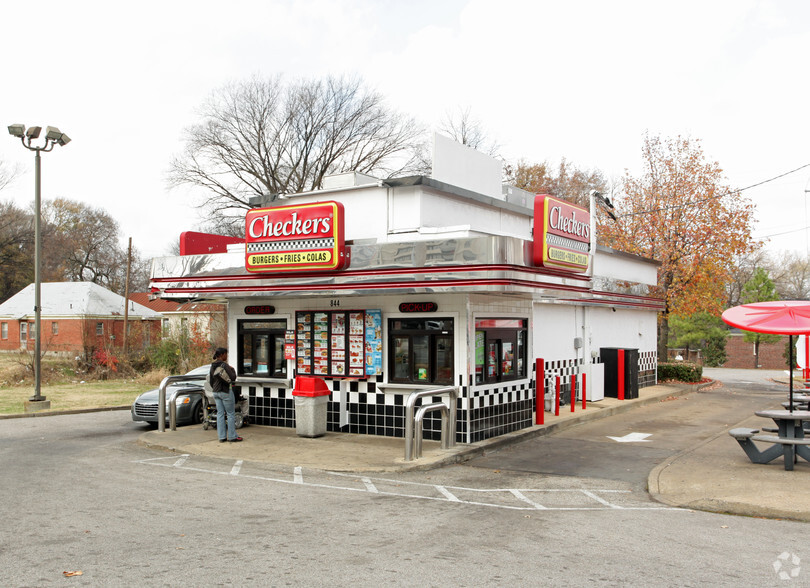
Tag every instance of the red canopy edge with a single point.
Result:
(779, 317)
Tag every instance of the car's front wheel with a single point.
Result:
(198, 414)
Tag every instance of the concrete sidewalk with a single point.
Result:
(714, 476)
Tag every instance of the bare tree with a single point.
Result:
(745, 266)
(267, 137)
(82, 245)
(7, 174)
(791, 275)
(463, 128)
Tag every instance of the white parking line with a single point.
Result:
(370, 485)
(520, 496)
(450, 496)
(490, 497)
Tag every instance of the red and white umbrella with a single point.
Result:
(778, 317)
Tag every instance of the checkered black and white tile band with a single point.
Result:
(283, 246)
(483, 411)
(486, 413)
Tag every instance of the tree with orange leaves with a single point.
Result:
(680, 212)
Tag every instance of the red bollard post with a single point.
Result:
(557, 398)
(583, 392)
(539, 391)
(573, 391)
(620, 383)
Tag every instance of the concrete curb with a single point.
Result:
(44, 413)
(715, 505)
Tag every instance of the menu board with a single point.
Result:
(320, 344)
(303, 346)
(331, 343)
(373, 342)
(356, 335)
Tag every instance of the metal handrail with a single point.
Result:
(173, 406)
(419, 419)
(452, 393)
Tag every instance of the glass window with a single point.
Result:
(421, 358)
(55, 328)
(4, 330)
(402, 358)
(99, 328)
(421, 350)
(500, 349)
(23, 332)
(261, 348)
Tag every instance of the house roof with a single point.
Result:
(72, 299)
(200, 307)
(158, 304)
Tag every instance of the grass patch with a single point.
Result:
(73, 396)
(66, 389)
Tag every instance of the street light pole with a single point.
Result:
(53, 136)
(37, 397)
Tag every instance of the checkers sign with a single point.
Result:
(308, 237)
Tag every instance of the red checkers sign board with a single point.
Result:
(308, 237)
(562, 234)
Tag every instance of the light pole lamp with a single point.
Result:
(53, 136)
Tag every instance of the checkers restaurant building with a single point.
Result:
(386, 287)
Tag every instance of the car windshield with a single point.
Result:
(200, 371)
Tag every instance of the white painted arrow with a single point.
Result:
(631, 438)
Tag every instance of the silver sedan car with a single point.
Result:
(187, 396)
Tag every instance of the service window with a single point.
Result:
(421, 350)
(500, 350)
(261, 348)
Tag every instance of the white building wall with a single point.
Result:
(555, 326)
(450, 305)
(624, 267)
(623, 328)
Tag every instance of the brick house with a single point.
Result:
(740, 354)
(75, 316)
(207, 319)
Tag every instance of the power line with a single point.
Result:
(729, 193)
(783, 233)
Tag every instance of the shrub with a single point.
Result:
(714, 355)
(165, 355)
(681, 371)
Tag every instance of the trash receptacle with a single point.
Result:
(311, 395)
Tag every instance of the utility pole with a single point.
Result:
(126, 299)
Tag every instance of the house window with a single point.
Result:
(23, 332)
(165, 326)
(54, 328)
(99, 328)
(4, 330)
(421, 350)
(500, 350)
(261, 348)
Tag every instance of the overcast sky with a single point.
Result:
(547, 79)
